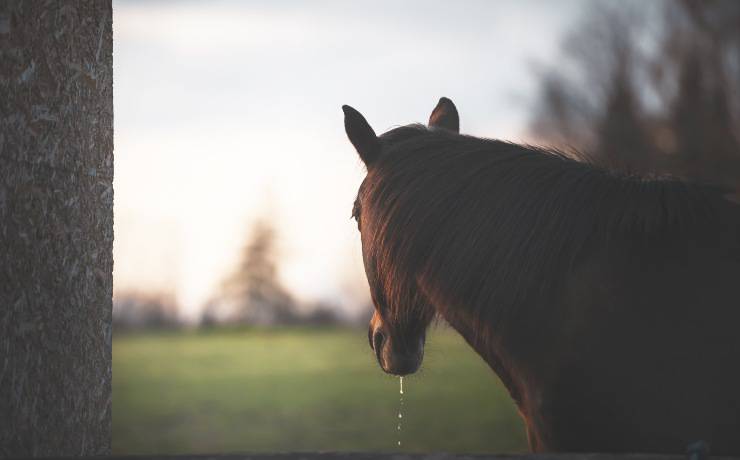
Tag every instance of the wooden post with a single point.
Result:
(56, 227)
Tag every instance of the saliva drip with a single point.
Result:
(400, 411)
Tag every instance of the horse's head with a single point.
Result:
(402, 313)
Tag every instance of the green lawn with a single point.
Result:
(301, 390)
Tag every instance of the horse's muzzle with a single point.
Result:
(402, 364)
(396, 360)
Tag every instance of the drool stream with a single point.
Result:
(400, 411)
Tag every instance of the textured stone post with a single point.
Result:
(56, 227)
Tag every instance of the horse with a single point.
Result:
(607, 303)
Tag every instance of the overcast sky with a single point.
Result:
(229, 110)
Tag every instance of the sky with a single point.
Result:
(230, 111)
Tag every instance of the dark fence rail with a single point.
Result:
(399, 456)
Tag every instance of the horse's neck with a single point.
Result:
(525, 387)
(488, 347)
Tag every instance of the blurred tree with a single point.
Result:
(323, 314)
(253, 294)
(650, 90)
(137, 310)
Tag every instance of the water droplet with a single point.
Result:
(400, 413)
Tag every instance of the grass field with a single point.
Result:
(301, 390)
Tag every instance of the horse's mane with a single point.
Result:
(500, 224)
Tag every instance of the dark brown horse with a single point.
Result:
(609, 305)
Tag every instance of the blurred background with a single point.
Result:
(240, 302)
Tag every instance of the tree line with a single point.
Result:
(650, 88)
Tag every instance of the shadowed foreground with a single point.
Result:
(435, 456)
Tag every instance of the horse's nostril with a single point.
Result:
(378, 339)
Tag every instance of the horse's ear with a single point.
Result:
(445, 116)
(361, 135)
